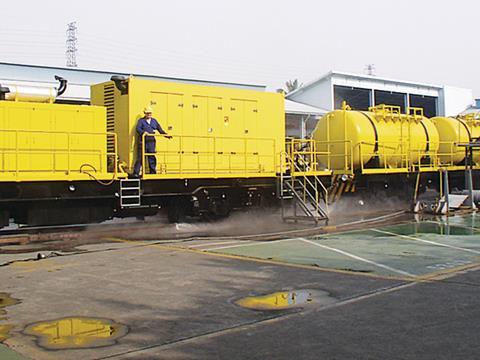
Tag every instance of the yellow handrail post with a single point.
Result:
(16, 153)
(143, 154)
(180, 152)
(245, 155)
(115, 150)
(68, 153)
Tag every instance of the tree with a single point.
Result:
(290, 85)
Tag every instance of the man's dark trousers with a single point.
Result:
(152, 160)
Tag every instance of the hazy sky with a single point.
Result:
(264, 42)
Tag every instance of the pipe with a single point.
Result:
(121, 83)
(3, 90)
(63, 85)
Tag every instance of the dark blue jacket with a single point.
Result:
(144, 127)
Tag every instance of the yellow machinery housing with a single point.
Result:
(381, 140)
(217, 131)
(44, 141)
(455, 130)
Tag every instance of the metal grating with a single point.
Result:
(109, 103)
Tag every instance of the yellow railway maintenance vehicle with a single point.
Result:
(63, 164)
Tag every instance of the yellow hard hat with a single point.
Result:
(147, 109)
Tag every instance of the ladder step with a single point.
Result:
(130, 193)
(131, 190)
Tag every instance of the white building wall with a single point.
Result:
(319, 94)
(454, 100)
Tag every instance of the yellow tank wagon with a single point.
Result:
(453, 131)
(379, 141)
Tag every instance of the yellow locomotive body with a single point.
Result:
(46, 142)
(217, 132)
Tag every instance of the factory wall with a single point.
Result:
(454, 100)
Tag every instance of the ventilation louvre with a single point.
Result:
(109, 103)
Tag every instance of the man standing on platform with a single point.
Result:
(147, 125)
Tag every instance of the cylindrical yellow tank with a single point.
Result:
(454, 130)
(379, 138)
(30, 93)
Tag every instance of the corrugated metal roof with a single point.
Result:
(26, 72)
(293, 107)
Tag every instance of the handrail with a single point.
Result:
(235, 149)
(67, 149)
(310, 152)
(315, 198)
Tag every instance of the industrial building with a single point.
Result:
(303, 107)
(80, 80)
(301, 119)
(362, 91)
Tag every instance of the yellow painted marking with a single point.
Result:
(218, 243)
(445, 273)
(427, 241)
(35, 265)
(251, 244)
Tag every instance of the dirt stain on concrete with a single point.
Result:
(76, 333)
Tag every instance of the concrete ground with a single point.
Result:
(400, 292)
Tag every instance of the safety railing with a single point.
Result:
(388, 156)
(38, 151)
(423, 160)
(190, 155)
(305, 189)
(449, 153)
(308, 158)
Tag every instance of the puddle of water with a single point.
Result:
(76, 333)
(5, 332)
(7, 300)
(433, 228)
(284, 300)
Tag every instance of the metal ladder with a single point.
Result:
(303, 196)
(130, 193)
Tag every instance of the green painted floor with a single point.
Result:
(7, 354)
(418, 248)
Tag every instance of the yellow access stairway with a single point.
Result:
(303, 196)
